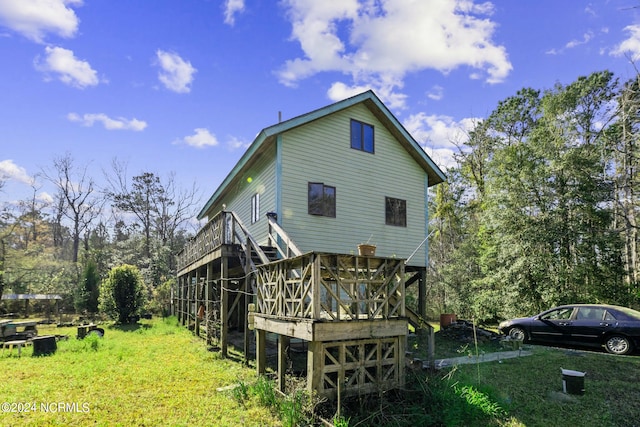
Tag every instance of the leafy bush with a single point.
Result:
(122, 293)
(161, 298)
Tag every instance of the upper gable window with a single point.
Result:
(395, 212)
(255, 208)
(322, 199)
(362, 136)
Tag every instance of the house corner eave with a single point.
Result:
(255, 146)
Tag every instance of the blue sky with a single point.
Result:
(184, 86)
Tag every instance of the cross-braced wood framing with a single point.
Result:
(210, 237)
(351, 311)
(332, 286)
(360, 366)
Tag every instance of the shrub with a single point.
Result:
(87, 293)
(122, 293)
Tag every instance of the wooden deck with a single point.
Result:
(348, 310)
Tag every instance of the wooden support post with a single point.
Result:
(244, 306)
(315, 286)
(208, 299)
(261, 351)
(427, 333)
(196, 304)
(179, 298)
(185, 298)
(314, 366)
(283, 346)
(431, 346)
(224, 306)
(400, 360)
(422, 293)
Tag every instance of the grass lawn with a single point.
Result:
(521, 392)
(151, 374)
(157, 373)
(529, 389)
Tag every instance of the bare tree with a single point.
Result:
(77, 200)
(159, 206)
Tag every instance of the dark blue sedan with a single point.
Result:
(617, 329)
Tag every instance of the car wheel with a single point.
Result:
(617, 344)
(517, 334)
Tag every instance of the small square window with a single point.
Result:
(255, 208)
(321, 199)
(362, 136)
(395, 212)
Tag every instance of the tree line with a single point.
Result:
(68, 243)
(542, 208)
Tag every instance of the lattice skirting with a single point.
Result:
(358, 367)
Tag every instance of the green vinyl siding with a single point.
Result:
(320, 151)
(259, 177)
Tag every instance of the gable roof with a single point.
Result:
(268, 136)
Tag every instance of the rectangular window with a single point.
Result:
(362, 136)
(395, 212)
(322, 199)
(255, 208)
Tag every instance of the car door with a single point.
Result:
(552, 326)
(589, 325)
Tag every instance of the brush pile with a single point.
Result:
(462, 331)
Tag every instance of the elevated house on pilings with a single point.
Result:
(280, 257)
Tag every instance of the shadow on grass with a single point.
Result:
(130, 327)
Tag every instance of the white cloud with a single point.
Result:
(436, 93)
(380, 42)
(200, 139)
(586, 37)
(386, 90)
(339, 91)
(35, 18)
(231, 8)
(175, 73)
(69, 69)
(440, 136)
(45, 197)
(631, 46)
(109, 123)
(10, 171)
(234, 143)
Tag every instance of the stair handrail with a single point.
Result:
(277, 235)
(246, 239)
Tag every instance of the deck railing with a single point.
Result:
(223, 229)
(331, 287)
(280, 240)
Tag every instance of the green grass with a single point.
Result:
(529, 389)
(151, 374)
(157, 373)
(519, 392)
